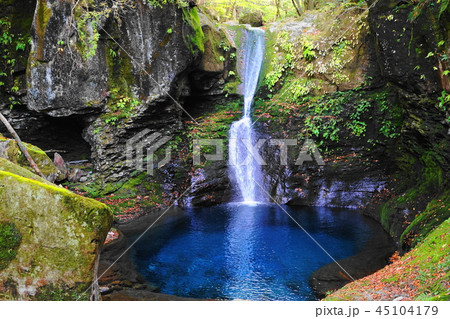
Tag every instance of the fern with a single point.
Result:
(444, 6)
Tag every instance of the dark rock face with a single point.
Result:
(136, 58)
(374, 256)
(210, 186)
(403, 45)
(64, 79)
(348, 175)
(122, 72)
(411, 45)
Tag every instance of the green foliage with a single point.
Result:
(308, 51)
(120, 107)
(216, 124)
(160, 3)
(89, 18)
(444, 104)
(391, 116)
(10, 240)
(271, 9)
(356, 126)
(436, 212)
(12, 48)
(87, 25)
(51, 292)
(420, 5)
(324, 120)
(197, 40)
(280, 66)
(324, 57)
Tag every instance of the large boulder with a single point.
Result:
(11, 151)
(255, 19)
(50, 238)
(136, 51)
(212, 73)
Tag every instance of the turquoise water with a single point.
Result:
(237, 251)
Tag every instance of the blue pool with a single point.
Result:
(237, 251)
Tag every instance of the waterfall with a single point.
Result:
(245, 170)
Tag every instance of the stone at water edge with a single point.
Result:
(60, 238)
(59, 162)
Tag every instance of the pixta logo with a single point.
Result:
(141, 148)
(141, 151)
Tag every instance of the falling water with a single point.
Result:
(244, 165)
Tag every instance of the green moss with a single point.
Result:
(427, 176)
(386, 211)
(10, 239)
(232, 86)
(432, 256)
(61, 232)
(197, 40)
(212, 42)
(92, 214)
(92, 204)
(121, 102)
(437, 211)
(423, 272)
(43, 14)
(432, 177)
(41, 159)
(10, 167)
(53, 292)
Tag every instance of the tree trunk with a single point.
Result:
(22, 148)
(278, 4)
(297, 7)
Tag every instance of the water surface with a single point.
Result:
(238, 251)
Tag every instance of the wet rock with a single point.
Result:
(210, 186)
(83, 179)
(163, 46)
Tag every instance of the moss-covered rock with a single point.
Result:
(8, 166)
(60, 236)
(9, 242)
(11, 151)
(422, 274)
(326, 51)
(255, 19)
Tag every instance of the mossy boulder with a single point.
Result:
(50, 238)
(217, 61)
(8, 166)
(10, 150)
(255, 19)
